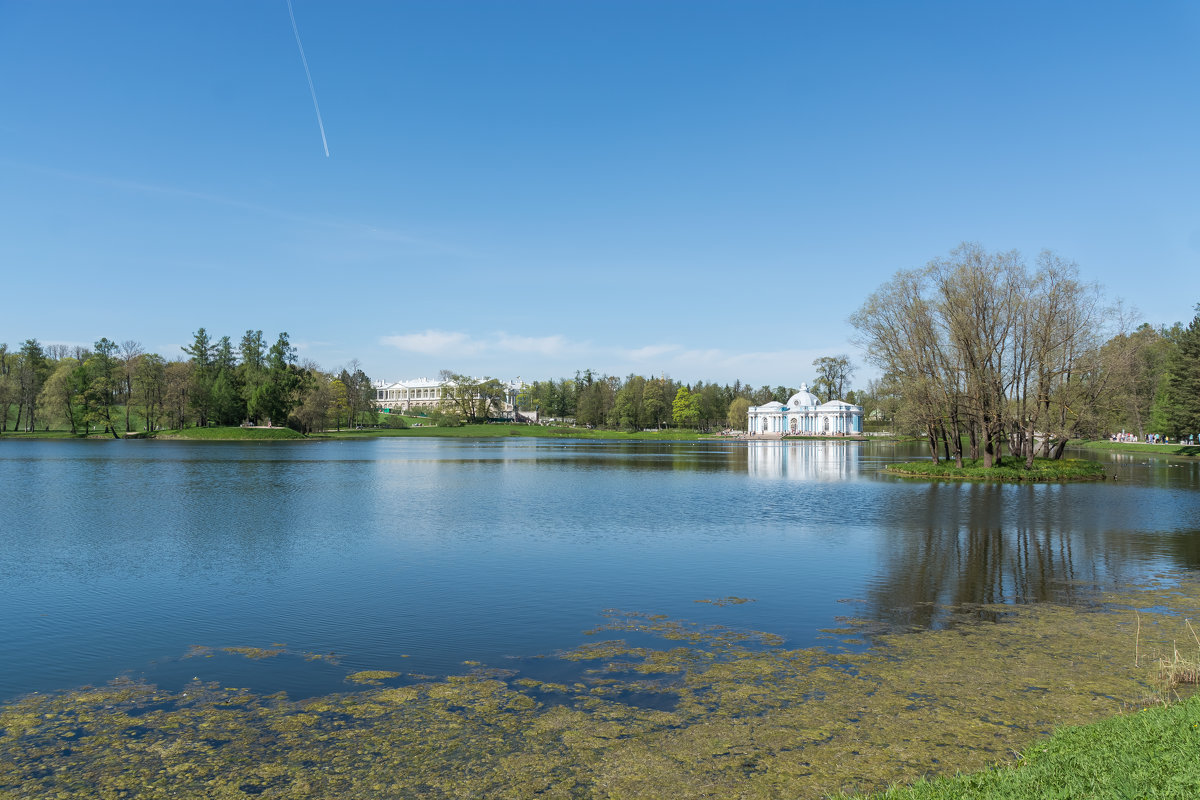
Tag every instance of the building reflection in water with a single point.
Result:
(820, 460)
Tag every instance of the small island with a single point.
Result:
(1044, 470)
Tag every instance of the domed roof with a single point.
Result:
(803, 398)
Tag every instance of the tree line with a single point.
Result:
(116, 388)
(980, 348)
(637, 402)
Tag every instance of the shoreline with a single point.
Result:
(478, 431)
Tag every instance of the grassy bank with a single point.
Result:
(55, 434)
(231, 434)
(1174, 449)
(1151, 753)
(1010, 470)
(501, 430)
(417, 426)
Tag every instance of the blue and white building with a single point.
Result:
(804, 414)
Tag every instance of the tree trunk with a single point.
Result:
(956, 431)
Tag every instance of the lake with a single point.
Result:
(124, 557)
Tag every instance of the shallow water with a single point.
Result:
(418, 554)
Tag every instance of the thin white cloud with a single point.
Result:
(434, 343)
(358, 229)
(542, 345)
(652, 351)
(457, 343)
(544, 356)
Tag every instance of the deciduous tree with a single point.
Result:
(685, 409)
(739, 413)
(833, 373)
(1182, 390)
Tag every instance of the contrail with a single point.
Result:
(308, 74)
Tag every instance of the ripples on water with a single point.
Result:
(417, 554)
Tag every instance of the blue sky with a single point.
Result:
(702, 189)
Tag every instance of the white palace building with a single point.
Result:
(425, 393)
(804, 414)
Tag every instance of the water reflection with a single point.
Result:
(115, 554)
(804, 461)
(958, 545)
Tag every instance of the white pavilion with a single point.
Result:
(804, 414)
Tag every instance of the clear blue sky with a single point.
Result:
(702, 189)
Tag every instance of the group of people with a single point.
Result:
(1153, 438)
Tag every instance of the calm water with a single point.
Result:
(418, 554)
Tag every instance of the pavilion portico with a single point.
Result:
(805, 414)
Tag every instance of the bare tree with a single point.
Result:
(131, 352)
(833, 373)
(979, 346)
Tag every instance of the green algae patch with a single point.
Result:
(259, 653)
(1010, 470)
(371, 676)
(738, 714)
(255, 652)
(726, 601)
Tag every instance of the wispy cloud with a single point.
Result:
(456, 343)
(542, 345)
(435, 343)
(651, 352)
(358, 229)
(552, 354)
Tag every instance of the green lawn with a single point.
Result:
(231, 434)
(1151, 753)
(1173, 449)
(54, 434)
(1011, 469)
(493, 430)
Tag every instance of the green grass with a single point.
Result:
(1011, 469)
(51, 434)
(1173, 449)
(1151, 753)
(231, 434)
(491, 430)
(495, 430)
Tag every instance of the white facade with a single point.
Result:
(408, 395)
(803, 461)
(427, 393)
(805, 415)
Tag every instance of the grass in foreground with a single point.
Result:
(1152, 753)
(1010, 470)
